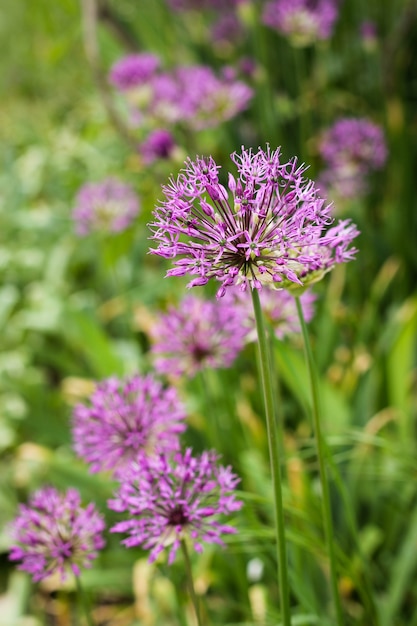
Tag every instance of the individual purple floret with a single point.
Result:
(159, 144)
(352, 148)
(133, 70)
(109, 206)
(53, 533)
(198, 334)
(170, 500)
(269, 227)
(279, 308)
(124, 418)
(304, 21)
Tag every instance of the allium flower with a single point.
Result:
(159, 144)
(351, 148)
(169, 500)
(124, 418)
(133, 70)
(53, 533)
(196, 335)
(269, 227)
(108, 206)
(279, 308)
(304, 21)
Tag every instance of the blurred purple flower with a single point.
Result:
(270, 227)
(133, 70)
(197, 334)
(169, 500)
(124, 418)
(54, 533)
(109, 206)
(304, 21)
(352, 148)
(159, 144)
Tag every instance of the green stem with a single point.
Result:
(189, 573)
(265, 373)
(322, 454)
(83, 601)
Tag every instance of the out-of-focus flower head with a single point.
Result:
(303, 21)
(173, 499)
(352, 148)
(197, 334)
(133, 70)
(123, 419)
(108, 206)
(159, 144)
(269, 227)
(54, 534)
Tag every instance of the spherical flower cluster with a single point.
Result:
(269, 227)
(125, 418)
(109, 206)
(304, 21)
(53, 533)
(197, 334)
(133, 70)
(352, 148)
(279, 309)
(169, 500)
(159, 144)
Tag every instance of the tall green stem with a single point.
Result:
(83, 601)
(189, 573)
(265, 373)
(321, 453)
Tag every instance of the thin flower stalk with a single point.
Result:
(189, 573)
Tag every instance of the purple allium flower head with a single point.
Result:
(53, 533)
(125, 418)
(133, 70)
(169, 500)
(279, 308)
(159, 144)
(198, 334)
(351, 148)
(270, 226)
(304, 21)
(108, 206)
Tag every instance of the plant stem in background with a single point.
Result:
(321, 453)
(82, 599)
(265, 374)
(190, 581)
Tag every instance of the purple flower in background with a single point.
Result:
(109, 206)
(133, 70)
(269, 227)
(169, 500)
(125, 418)
(352, 148)
(279, 308)
(159, 144)
(53, 533)
(197, 334)
(304, 21)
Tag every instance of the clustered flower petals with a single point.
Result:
(270, 226)
(133, 70)
(197, 334)
(304, 21)
(124, 418)
(109, 206)
(352, 148)
(171, 499)
(53, 533)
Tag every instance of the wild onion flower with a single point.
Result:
(109, 206)
(303, 21)
(269, 227)
(133, 70)
(278, 307)
(197, 334)
(53, 533)
(171, 499)
(352, 148)
(159, 144)
(124, 418)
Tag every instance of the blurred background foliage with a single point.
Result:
(76, 310)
